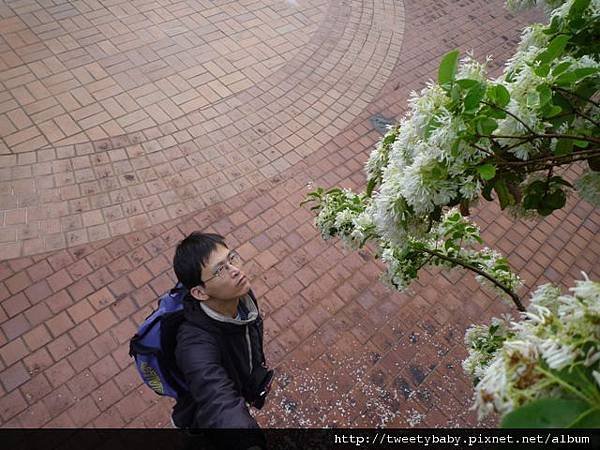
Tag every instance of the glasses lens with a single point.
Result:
(235, 258)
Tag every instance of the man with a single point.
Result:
(220, 342)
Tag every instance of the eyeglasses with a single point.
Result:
(233, 259)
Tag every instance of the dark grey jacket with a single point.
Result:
(216, 355)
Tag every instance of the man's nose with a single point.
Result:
(233, 270)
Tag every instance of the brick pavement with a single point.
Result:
(89, 227)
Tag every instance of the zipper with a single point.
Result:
(249, 347)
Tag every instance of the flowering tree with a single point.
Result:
(468, 137)
(543, 371)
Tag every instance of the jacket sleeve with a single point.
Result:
(219, 403)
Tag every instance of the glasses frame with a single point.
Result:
(232, 254)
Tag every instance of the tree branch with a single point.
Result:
(511, 115)
(566, 91)
(515, 298)
(540, 136)
(576, 156)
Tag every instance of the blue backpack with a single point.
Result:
(153, 346)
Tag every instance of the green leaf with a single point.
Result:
(487, 171)
(432, 125)
(542, 70)
(533, 99)
(485, 126)
(370, 186)
(486, 192)
(545, 94)
(552, 111)
(573, 76)
(448, 245)
(467, 83)
(555, 200)
(502, 95)
(474, 96)
(504, 195)
(560, 180)
(564, 147)
(554, 49)
(588, 419)
(448, 66)
(531, 201)
(560, 68)
(545, 413)
(578, 7)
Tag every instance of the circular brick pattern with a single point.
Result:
(203, 104)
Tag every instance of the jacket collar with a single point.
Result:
(246, 303)
(205, 317)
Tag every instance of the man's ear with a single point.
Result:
(199, 293)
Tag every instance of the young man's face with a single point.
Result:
(222, 280)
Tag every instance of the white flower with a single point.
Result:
(491, 393)
(596, 376)
(472, 69)
(556, 354)
(593, 356)
(588, 186)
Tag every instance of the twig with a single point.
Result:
(510, 114)
(515, 298)
(577, 156)
(574, 94)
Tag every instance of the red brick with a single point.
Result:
(36, 388)
(83, 333)
(38, 361)
(103, 344)
(128, 379)
(11, 404)
(140, 276)
(18, 282)
(15, 304)
(105, 369)
(61, 421)
(61, 347)
(38, 337)
(124, 331)
(14, 376)
(103, 320)
(101, 299)
(82, 384)
(109, 419)
(82, 358)
(83, 411)
(59, 280)
(80, 269)
(38, 314)
(131, 406)
(15, 327)
(59, 324)
(59, 301)
(80, 289)
(39, 291)
(13, 351)
(35, 416)
(58, 400)
(39, 270)
(80, 311)
(107, 395)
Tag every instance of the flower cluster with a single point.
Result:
(450, 148)
(554, 351)
(342, 214)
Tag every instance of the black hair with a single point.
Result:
(192, 254)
